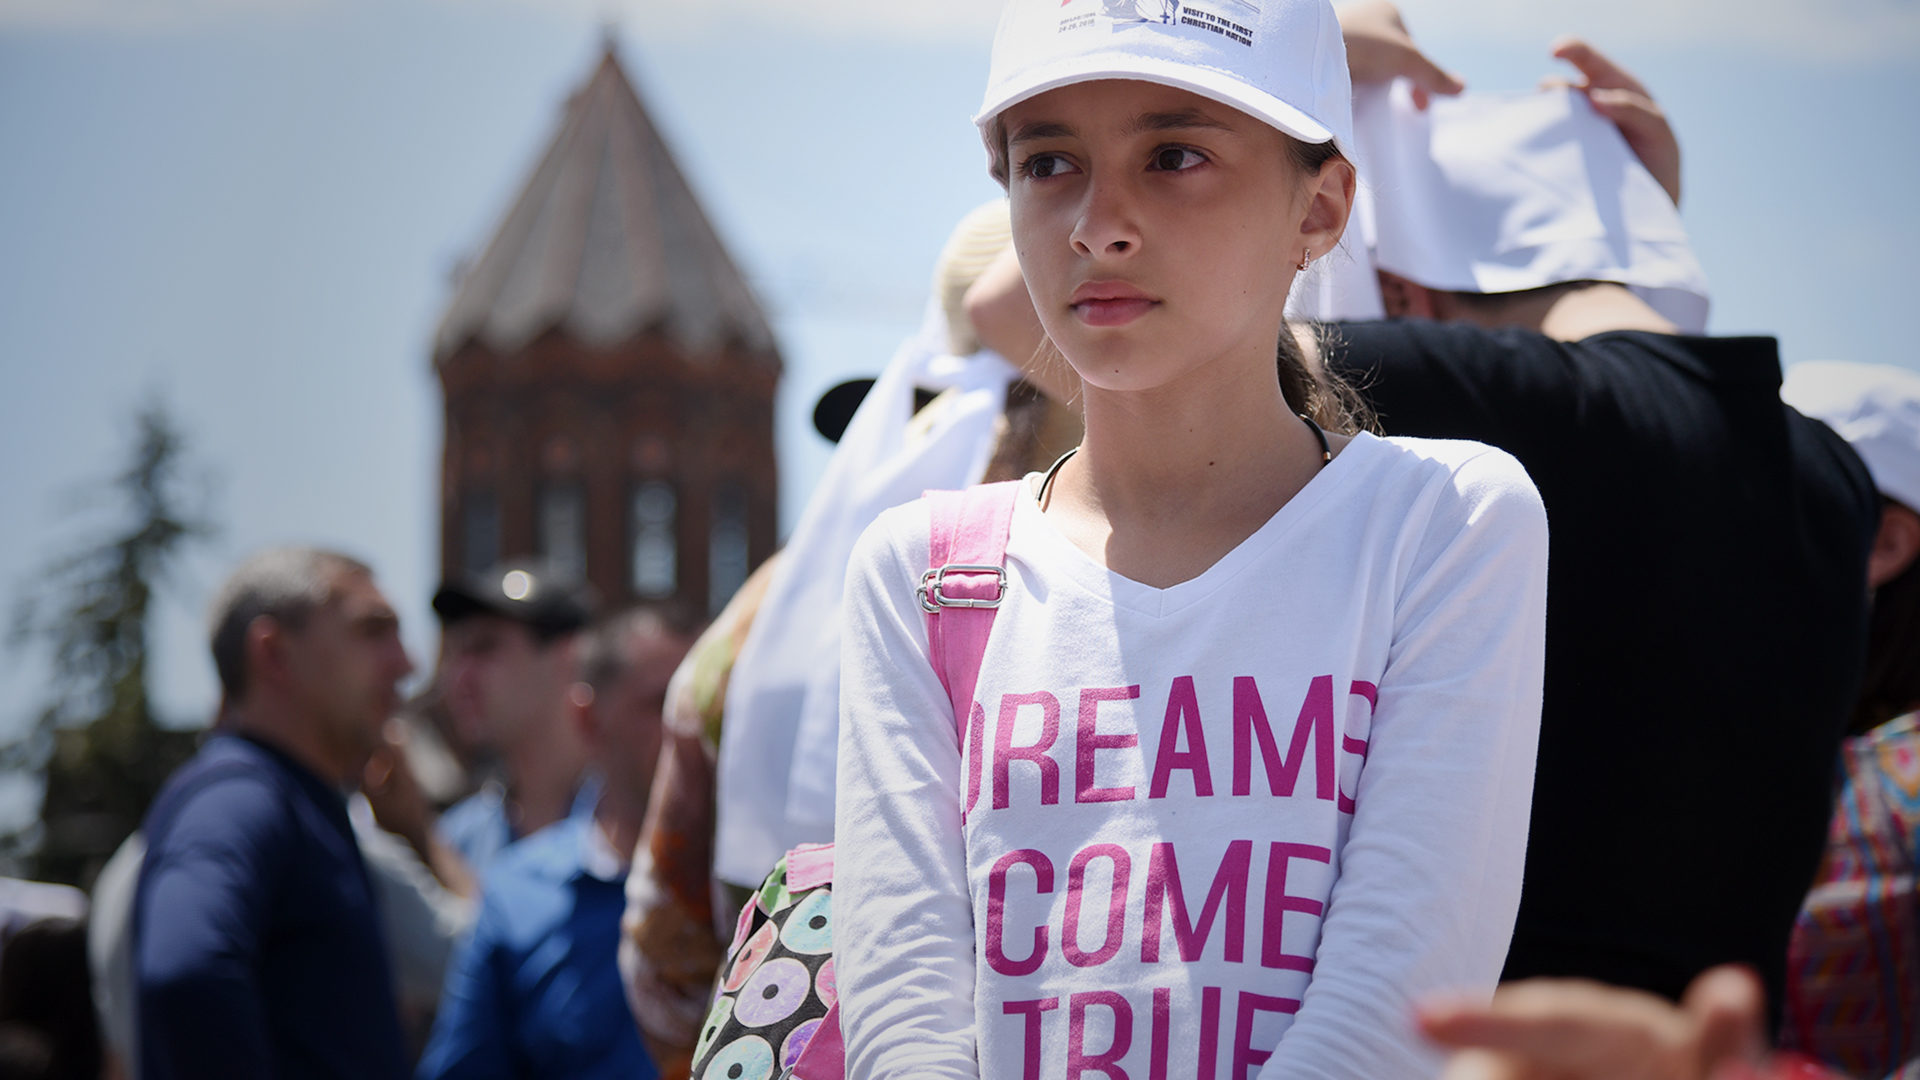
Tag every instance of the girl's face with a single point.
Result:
(1159, 230)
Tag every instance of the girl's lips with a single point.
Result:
(1109, 303)
(1115, 312)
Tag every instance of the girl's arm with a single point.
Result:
(1429, 879)
(903, 921)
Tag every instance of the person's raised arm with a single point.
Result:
(1000, 311)
(401, 807)
(1623, 99)
(1379, 49)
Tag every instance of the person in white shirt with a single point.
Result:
(1251, 751)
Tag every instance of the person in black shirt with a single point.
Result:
(1706, 628)
(1707, 605)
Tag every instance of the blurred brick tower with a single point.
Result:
(608, 376)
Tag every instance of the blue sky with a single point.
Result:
(251, 208)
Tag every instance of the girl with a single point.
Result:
(1257, 716)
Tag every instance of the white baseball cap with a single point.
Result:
(1281, 61)
(1876, 408)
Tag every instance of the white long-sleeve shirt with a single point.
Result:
(1241, 823)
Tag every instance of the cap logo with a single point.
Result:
(517, 584)
(1121, 14)
(1160, 11)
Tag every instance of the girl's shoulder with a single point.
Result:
(1450, 489)
(897, 535)
(896, 540)
(1467, 470)
(900, 533)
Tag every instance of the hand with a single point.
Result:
(1379, 49)
(1570, 1029)
(399, 804)
(1620, 97)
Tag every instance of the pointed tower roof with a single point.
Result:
(605, 241)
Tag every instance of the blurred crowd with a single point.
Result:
(591, 846)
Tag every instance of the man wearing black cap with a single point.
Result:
(507, 661)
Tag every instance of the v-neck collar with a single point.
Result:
(1032, 527)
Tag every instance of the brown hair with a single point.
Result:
(1034, 429)
(1892, 683)
(1322, 395)
(997, 165)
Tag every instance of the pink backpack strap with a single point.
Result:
(966, 576)
(809, 866)
(965, 579)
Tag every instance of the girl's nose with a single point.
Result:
(1108, 225)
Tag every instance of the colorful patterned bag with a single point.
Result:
(1853, 978)
(776, 988)
(776, 1010)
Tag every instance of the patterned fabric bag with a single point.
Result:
(776, 1009)
(776, 988)
(1853, 978)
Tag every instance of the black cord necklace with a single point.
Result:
(1046, 482)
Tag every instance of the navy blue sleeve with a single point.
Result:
(205, 892)
(472, 1034)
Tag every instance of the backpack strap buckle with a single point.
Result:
(933, 597)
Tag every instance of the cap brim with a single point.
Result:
(1218, 86)
(453, 603)
(835, 409)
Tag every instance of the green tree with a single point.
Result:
(103, 752)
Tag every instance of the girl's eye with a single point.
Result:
(1176, 159)
(1042, 166)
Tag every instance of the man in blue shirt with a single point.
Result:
(509, 647)
(536, 991)
(257, 947)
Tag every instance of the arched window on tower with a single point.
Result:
(479, 532)
(727, 565)
(656, 554)
(563, 529)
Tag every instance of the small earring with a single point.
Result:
(1306, 257)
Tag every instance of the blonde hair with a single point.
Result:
(976, 241)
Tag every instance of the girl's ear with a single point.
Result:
(1329, 203)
